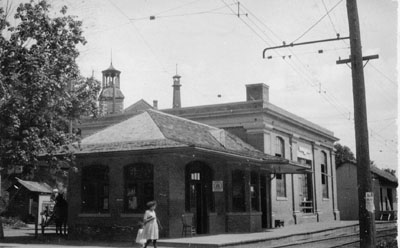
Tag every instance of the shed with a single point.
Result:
(24, 198)
(384, 189)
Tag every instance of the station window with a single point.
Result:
(139, 187)
(95, 189)
(324, 175)
(238, 196)
(254, 191)
(281, 185)
(279, 147)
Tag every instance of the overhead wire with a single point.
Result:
(329, 16)
(211, 11)
(157, 16)
(154, 54)
(384, 75)
(141, 36)
(175, 8)
(316, 23)
(329, 98)
(310, 81)
(292, 66)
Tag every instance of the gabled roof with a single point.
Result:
(35, 186)
(138, 106)
(383, 174)
(157, 130)
(378, 172)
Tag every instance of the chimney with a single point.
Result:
(256, 92)
(176, 101)
(155, 104)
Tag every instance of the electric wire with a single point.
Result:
(175, 8)
(384, 75)
(331, 101)
(316, 23)
(141, 36)
(331, 98)
(291, 66)
(265, 41)
(330, 19)
(211, 11)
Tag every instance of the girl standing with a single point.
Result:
(150, 229)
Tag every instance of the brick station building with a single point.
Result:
(186, 166)
(284, 175)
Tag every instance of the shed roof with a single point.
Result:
(378, 172)
(35, 186)
(383, 174)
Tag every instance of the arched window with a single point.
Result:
(138, 187)
(95, 189)
(279, 147)
(324, 175)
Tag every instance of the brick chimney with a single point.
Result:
(155, 104)
(256, 92)
(176, 101)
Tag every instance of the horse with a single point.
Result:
(60, 214)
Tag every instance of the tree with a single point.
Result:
(343, 154)
(391, 171)
(41, 89)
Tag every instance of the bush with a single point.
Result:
(387, 244)
(12, 222)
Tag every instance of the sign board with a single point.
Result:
(44, 201)
(369, 201)
(218, 186)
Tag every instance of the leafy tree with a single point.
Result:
(391, 171)
(41, 89)
(343, 154)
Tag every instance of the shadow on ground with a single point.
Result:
(54, 239)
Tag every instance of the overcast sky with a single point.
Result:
(218, 53)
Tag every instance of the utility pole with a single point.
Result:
(365, 192)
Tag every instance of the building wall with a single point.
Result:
(169, 192)
(258, 123)
(260, 130)
(106, 106)
(348, 193)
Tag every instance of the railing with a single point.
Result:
(306, 207)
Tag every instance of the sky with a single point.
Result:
(218, 53)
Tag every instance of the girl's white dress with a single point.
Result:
(139, 237)
(150, 229)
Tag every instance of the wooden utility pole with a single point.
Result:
(365, 192)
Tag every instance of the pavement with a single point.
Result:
(25, 237)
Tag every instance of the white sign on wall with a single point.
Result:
(218, 186)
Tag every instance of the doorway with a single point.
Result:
(199, 200)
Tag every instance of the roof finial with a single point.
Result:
(176, 69)
(111, 56)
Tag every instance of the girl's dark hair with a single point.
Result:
(151, 203)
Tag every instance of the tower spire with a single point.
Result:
(111, 56)
(176, 101)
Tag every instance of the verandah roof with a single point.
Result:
(156, 130)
